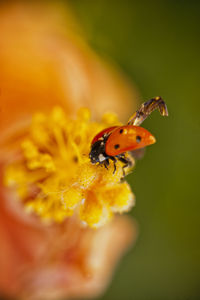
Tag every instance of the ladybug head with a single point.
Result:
(97, 153)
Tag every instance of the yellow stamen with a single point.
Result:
(54, 177)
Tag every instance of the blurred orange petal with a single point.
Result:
(42, 64)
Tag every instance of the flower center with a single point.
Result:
(54, 177)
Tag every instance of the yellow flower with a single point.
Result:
(54, 177)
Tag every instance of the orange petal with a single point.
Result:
(42, 65)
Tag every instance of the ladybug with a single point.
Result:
(112, 143)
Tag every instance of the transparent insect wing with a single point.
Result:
(146, 109)
(101, 133)
(127, 138)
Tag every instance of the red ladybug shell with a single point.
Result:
(127, 138)
(101, 133)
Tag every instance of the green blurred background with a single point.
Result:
(157, 44)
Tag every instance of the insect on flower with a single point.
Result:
(112, 143)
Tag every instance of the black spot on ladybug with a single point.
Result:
(138, 138)
(116, 146)
(121, 131)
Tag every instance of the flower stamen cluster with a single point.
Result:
(54, 177)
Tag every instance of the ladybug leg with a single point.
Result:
(106, 163)
(126, 161)
(146, 109)
(115, 168)
(114, 163)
